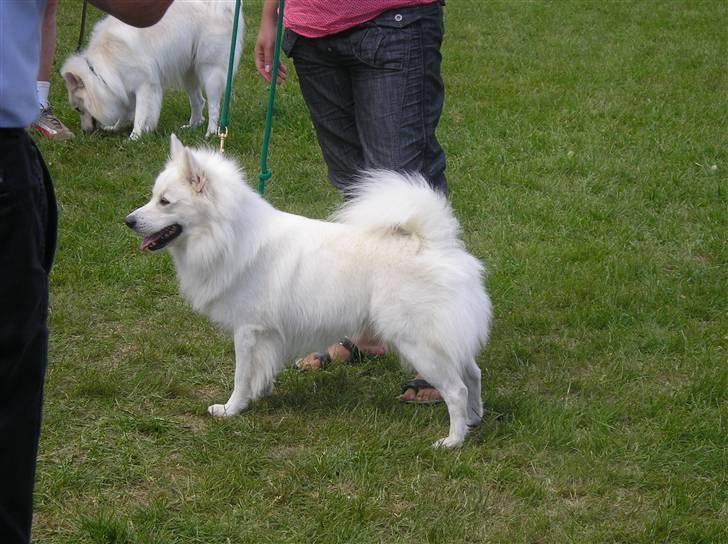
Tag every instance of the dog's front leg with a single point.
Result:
(257, 355)
(147, 109)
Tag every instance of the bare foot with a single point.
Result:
(366, 345)
(312, 361)
(425, 395)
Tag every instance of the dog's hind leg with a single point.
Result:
(197, 101)
(455, 395)
(147, 109)
(213, 80)
(472, 377)
(257, 358)
(442, 372)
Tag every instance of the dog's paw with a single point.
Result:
(448, 443)
(218, 410)
(193, 124)
(134, 136)
(224, 410)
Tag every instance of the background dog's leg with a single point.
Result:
(257, 358)
(213, 79)
(148, 107)
(197, 101)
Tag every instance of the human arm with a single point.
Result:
(139, 13)
(265, 43)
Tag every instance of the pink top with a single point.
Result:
(316, 18)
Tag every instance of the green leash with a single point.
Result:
(264, 173)
(83, 26)
(222, 127)
(222, 130)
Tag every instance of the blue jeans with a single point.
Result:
(375, 94)
(27, 245)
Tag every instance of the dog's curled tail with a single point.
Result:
(387, 201)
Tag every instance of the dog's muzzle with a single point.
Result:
(159, 239)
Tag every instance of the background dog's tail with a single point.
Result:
(388, 201)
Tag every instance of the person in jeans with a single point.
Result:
(28, 221)
(369, 73)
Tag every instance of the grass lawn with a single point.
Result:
(588, 159)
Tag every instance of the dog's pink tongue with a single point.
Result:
(148, 241)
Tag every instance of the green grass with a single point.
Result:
(588, 154)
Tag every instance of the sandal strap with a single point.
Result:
(355, 355)
(324, 357)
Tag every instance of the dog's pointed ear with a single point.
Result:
(175, 147)
(193, 171)
(73, 81)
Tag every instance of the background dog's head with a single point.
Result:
(91, 95)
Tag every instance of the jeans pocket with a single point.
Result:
(288, 42)
(384, 42)
(382, 47)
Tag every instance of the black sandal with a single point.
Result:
(355, 354)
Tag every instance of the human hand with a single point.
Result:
(265, 48)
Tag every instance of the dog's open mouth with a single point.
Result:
(160, 239)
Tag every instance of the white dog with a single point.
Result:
(119, 79)
(390, 263)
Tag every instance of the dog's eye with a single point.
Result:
(163, 201)
(78, 110)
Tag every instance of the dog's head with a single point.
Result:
(91, 95)
(181, 202)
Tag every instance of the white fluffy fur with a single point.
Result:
(390, 263)
(121, 76)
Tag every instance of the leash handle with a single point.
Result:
(222, 130)
(264, 173)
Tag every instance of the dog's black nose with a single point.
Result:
(130, 221)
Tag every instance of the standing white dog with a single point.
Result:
(120, 78)
(390, 263)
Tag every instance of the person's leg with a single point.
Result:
(47, 123)
(27, 246)
(47, 41)
(326, 88)
(398, 91)
(389, 76)
(375, 94)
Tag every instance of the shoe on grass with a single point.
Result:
(51, 127)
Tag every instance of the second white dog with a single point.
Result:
(120, 78)
(390, 263)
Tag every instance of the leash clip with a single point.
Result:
(222, 135)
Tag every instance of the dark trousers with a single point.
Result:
(375, 94)
(28, 219)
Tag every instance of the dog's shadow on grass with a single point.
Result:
(338, 387)
(368, 387)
